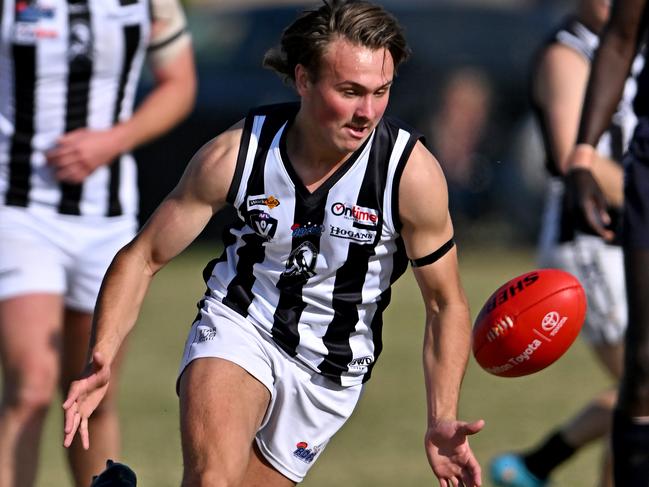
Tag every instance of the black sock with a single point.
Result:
(548, 456)
(630, 452)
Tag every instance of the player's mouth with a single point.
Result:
(357, 131)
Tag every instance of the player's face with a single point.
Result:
(349, 96)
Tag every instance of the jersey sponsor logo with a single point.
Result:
(357, 214)
(263, 224)
(28, 26)
(305, 230)
(360, 364)
(302, 261)
(262, 200)
(358, 236)
(26, 11)
(306, 454)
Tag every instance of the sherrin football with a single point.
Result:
(529, 322)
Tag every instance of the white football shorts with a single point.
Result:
(600, 269)
(305, 409)
(44, 252)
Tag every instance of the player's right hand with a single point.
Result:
(84, 396)
(587, 200)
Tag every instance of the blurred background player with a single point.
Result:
(559, 83)
(332, 198)
(620, 43)
(68, 193)
(458, 133)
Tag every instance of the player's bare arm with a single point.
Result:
(178, 220)
(559, 88)
(427, 229)
(606, 83)
(80, 152)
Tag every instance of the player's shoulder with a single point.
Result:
(210, 172)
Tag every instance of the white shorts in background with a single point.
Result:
(600, 269)
(305, 409)
(41, 252)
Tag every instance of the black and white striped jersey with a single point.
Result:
(314, 270)
(613, 143)
(66, 65)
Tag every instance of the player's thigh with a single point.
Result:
(260, 473)
(30, 345)
(221, 408)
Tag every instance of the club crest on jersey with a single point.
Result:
(80, 48)
(306, 454)
(302, 261)
(263, 224)
(355, 213)
(261, 201)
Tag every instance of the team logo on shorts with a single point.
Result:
(306, 454)
(302, 261)
(263, 224)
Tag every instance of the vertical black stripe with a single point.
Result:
(24, 60)
(132, 36)
(399, 266)
(309, 212)
(241, 159)
(239, 294)
(350, 278)
(78, 89)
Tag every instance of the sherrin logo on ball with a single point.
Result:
(529, 322)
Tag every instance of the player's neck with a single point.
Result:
(313, 160)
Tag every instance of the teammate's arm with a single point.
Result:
(610, 69)
(427, 227)
(178, 220)
(80, 152)
(558, 89)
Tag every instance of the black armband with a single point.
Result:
(434, 256)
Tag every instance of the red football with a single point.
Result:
(529, 322)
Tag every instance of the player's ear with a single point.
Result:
(302, 79)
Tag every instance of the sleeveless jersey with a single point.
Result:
(614, 142)
(66, 65)
(313, 271)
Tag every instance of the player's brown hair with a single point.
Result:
(360, 22)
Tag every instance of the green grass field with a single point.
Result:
(381, 446)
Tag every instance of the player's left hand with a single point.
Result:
(587, 201)
(78, 153)
(84, 396)
(449, 454)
